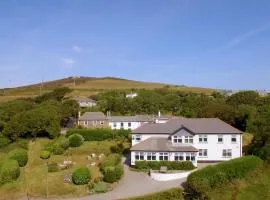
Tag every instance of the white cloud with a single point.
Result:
(68, 62)
(77, 49)
(241, 38)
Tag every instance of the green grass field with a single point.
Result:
(34, 176)
(86, 86)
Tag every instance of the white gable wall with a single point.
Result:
(117, 125)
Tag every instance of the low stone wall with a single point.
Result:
(169, 176)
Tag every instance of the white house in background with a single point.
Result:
(129, 122)
(180, 139)
(85, 102)
(131, 95)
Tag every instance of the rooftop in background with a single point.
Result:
(136, 118)
(195, 125)
(93, 116)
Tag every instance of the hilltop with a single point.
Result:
(85, 86)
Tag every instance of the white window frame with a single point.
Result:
(179, 157)
(226, 153)
(203, 139)
(151, 155)
(139, 155)
(138, 138)
(189, 139)
(203, 153)
(101, 122)
(163, 156)
(114, 124)
(121, 124)
(220, 137)
(190, 157)
(233, 137)
(129, 124)
(177, 139)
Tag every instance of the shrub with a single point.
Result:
(171, 165)
(64, 143)
(81, 176)
(57, 150)
(199, 183)
(119, 148)
(4, 141)
(45, 154)
(113, 173)
(53, 167)
(99, 134)
(100, 187)
(171, 194)
(10, 171)
(75, 140)
(20, 155)
(111, 160)
(22, 144)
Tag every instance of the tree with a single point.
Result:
(57, 94)
(245, 97)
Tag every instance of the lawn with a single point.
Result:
(34, 176)
(256, 186)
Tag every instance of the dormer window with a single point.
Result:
(177, 139)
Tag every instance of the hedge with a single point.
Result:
(171, 194)
(75, 140)
(99, 134)
(100, 187)
(171, 165)
(113, 173)
(111, 160)
(10, 171)
(20, 155)
(199, 183)
(81, 176)
(45, 154)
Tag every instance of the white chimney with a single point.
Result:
(159, 114)
(79, 114)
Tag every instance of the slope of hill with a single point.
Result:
(85, 86)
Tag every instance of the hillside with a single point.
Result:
(85, 86)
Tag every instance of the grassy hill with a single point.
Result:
(85, 86)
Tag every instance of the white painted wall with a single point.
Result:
(169, 176)
(85, 104)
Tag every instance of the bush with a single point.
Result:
(58, 150)
(119, 148)
(64, 143)
(53, 167)
(10, 171)
(75, 140)
(99, 134)
(100, 187)
(45, 154)
(20, 155)
(111, 160)
(4, 141)
(81, 176)
(171, 194)
(113, 173)
(199, 183)
(171, 165)
(22, 144)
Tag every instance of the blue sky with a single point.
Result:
(207, 43)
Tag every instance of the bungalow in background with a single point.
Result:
(180, 139)
(93, 120)
(131, 95)
(85, 102)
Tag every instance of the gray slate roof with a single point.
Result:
(93, 116)
(195, 125)
(162, 145)
(136, 118)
